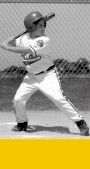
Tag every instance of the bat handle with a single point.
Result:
(21, 34)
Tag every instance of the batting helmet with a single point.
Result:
(31, 19)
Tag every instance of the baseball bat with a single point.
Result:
(46, 18)
(49, 16)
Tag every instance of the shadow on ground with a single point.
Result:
(59, 129)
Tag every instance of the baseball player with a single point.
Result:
(34, 47)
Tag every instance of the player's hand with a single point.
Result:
(3, 45)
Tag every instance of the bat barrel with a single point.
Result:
(49, 16)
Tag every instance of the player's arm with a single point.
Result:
(10, 45)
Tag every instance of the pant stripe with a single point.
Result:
(58, 77)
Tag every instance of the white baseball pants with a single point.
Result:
(49, 85)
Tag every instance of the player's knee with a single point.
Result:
(18, 102)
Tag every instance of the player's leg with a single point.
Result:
(50, 86)
(24, 92)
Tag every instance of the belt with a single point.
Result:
(50, 68)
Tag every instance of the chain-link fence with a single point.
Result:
(80, 68)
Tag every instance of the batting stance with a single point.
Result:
(42, 74)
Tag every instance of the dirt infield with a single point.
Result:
(48, 125)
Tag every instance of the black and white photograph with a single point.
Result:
(45, 69)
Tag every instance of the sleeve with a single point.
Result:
(18, 42)
(22, 42)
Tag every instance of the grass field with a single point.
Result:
(77, 91)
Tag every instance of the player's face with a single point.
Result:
(40, 29)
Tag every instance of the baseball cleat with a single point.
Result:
(20, 126)
(84, 129)
(23, 127)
